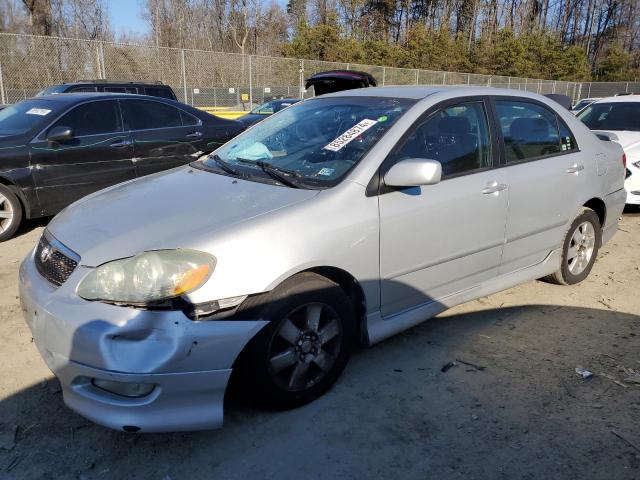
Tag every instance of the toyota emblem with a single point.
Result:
(45, 254)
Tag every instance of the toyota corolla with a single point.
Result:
(345, 218)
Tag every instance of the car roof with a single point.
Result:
(77, 97)
(620, 99)
(418, 92)
(112, 82)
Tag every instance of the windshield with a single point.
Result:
(271, 107)
(51, 90)
(581, 104)
(24, 116)
(612, 116)
(316, 142)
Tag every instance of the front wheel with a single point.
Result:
(580, 249)
(10, 213)
(305, 347)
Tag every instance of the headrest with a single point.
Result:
(454, 125)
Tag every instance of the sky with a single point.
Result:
(125, 16)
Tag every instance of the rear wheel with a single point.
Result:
(580, 249)
(305, 347)
(10, 213)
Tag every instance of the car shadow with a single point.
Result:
(488, 394)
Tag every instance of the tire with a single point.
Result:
(305, 347)
(10, 213)
(585, 233)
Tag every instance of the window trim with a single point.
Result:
(153, 99)
(503, 156)
(41, 138)
(376, 185)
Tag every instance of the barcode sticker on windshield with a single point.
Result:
(350, 134)
(38, 111)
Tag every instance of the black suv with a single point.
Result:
(140, 88)
(58, 148)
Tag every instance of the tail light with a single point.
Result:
(624, 159)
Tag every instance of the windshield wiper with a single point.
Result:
(283, 175)
(225, 166)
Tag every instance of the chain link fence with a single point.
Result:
(202, 78)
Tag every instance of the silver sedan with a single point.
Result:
(343, 219)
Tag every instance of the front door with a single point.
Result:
(441, 239)
(99, 155)
(164, 136)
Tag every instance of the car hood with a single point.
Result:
(628, 140)
(8, 141)
(179, 208)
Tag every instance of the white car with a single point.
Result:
(618, 118)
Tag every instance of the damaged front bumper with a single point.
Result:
(127, 368)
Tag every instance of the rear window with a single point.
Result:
(162, 92)
(25, 116)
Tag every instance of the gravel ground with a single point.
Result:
(510, 407)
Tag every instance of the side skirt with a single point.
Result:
(380, 328)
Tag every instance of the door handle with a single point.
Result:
(493, 187)
(575, 168)
(120, 143)
(194, 135)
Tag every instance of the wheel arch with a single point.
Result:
(15, 188)
(597, 205)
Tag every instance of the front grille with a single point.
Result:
(54, 261)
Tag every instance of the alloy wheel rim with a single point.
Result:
(6, 213)
(305, 347)
(581, 248)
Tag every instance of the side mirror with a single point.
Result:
(413, 172)
(60, 134)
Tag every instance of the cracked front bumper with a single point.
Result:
(188, 363)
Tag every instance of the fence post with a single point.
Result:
(384, 75)
(554, 86)
(101, 60)
(444, 78)
(416, 76)
(3, 98)
(468, 79)
(250, 86)
(301, 79)
(184, 76)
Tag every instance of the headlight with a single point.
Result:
(148, 277)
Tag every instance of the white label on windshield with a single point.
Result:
(350, 134)
(38, 111)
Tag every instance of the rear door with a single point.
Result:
(99, 155)
(164, 136)
(546, 174)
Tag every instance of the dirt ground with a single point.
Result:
(520, 413)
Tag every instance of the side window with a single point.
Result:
(93, 118)
(456, 136)
(529, 130)
(159, 92)
(188, 119)
(83, 89)
(144, 114)
(115, 89)
(567, 140)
